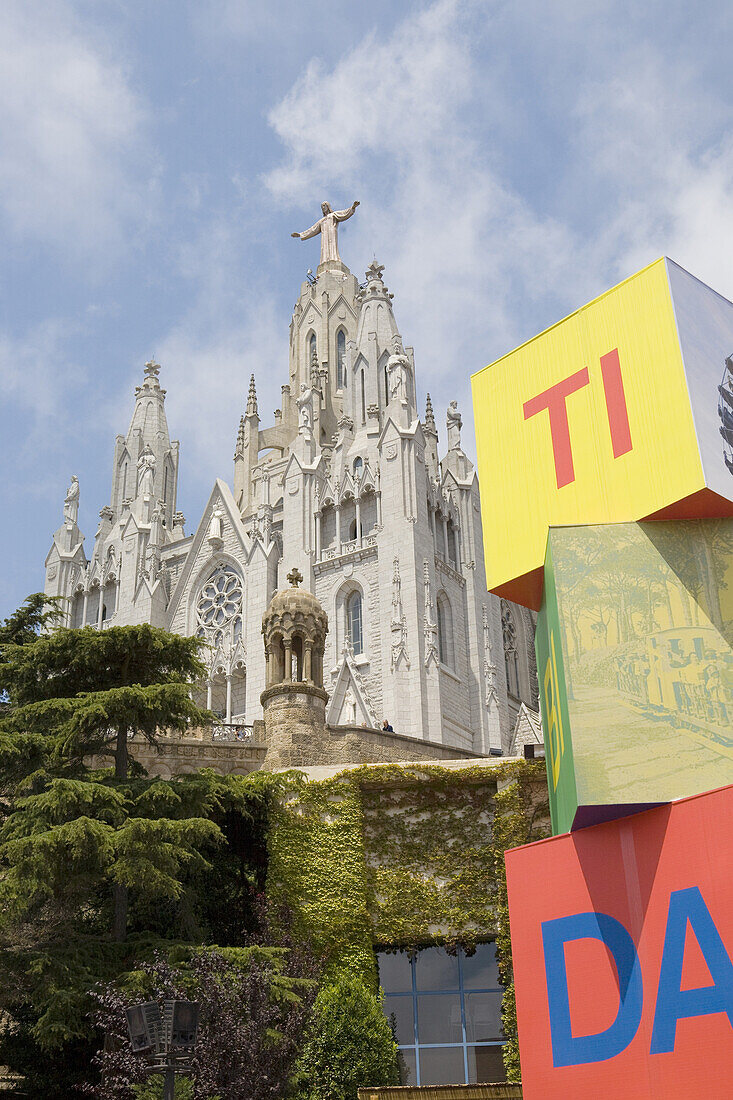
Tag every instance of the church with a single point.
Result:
(350, 490)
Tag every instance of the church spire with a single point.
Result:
(247, 449)
(252, 399)
(149, 417)
(430, 417)
(146, 454)
(432, 464)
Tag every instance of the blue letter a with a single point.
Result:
(674, 1003)
(569, 1050)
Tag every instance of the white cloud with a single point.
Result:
(35, 372)
(71, 172)
(207, 378)
(653, 138)
(232, 328)
(392, 125)
(480, 252)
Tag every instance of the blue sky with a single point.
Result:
(512, 160)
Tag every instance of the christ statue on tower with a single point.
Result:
(327, 226)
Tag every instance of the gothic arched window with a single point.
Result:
(363, 399)
(511, 657)
(354, 622)
(358, 464)
(452, 545)
(219, 606)
(445, 632)
(340, 359)
(311, 349)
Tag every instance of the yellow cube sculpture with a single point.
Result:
(622, 411)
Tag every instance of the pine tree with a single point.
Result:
(99, 865)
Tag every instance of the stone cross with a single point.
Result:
(295, 577)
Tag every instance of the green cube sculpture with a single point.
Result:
(635, 662)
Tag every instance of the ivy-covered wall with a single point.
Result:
(392, 855)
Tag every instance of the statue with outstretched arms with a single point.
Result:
(327, 226)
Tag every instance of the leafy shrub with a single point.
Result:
(349, 1043)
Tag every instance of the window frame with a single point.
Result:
(415, 1047)
(354, 595)
(446, 640)
(340, 359)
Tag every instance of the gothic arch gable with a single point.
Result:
(202, 554)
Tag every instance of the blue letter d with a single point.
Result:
(569, 1050)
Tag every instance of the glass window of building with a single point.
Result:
(446, 654)
(340, 359)
(353, 622)
(446, 1013)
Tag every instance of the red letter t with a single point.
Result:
(554, 401)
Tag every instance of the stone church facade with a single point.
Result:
(349, 487)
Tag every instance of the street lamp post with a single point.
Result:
(165, 1038)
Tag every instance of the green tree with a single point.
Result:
(86, 692)
(350, 1043)
(102, 865)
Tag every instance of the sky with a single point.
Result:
(512, 161)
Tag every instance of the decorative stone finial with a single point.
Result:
(295, 577)
(374, 271)
(151, 382)
(430, 417)
(252, 398)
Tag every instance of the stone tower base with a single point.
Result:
(295, 722)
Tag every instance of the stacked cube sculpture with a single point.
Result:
(608, 443)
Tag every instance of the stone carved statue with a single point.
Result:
(305, 409)
(350, 705)
(398, 369)
(454, 423)
(398, 624)
(327, 226)
(146, 473)
(71, 501)
(215, 527)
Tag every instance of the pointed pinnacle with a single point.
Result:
(239, 449)
(252, 398)
(430, 416)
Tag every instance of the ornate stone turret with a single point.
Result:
(294, 701)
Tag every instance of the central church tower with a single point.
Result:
(347, 488)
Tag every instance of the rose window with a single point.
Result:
(219, 607)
